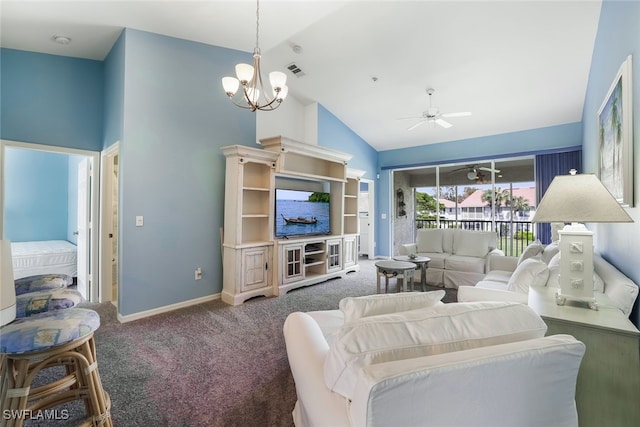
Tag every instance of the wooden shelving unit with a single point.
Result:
(250, 249)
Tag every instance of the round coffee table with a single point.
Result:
(398, 269)
(422, 262)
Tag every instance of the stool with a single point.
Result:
(56, 338)
(42, 282)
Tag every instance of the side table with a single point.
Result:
(390, 268)
(609, 378)
(422, 262)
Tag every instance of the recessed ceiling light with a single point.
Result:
(61, 39)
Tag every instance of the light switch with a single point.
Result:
(139, 221)
(383, 216)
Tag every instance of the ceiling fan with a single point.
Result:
(433, 115)
(474, 172)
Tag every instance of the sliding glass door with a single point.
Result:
(485, 196)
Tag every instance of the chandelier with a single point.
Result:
(254, 95)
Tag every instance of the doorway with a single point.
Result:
(76, 220)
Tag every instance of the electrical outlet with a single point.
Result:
(198, 274)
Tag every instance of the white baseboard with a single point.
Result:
(166, 308)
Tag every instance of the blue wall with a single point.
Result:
(334, 134)
(617, 38)
(49, 99)
(36, 199)
(114, 93)
(175, 119)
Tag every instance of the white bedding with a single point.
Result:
(44, 257)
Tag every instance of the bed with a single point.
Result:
(44, 257)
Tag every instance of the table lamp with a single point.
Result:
(576, 199)
(7, 285)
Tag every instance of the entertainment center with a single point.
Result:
(308, 247)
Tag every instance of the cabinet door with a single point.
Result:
(255, 268)
(292, 263)
(334, 255)
(350, 251)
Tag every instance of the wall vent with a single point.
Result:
(295, 70)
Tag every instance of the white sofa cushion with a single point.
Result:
(447, 239)
(499, 276)
(430, 240)
(469, 264)
(437, 259)
(533, 249)
(354, 308)
(530, 272)
(473, 243)
(434, 330)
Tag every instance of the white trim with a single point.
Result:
(371, 244)
(166, 308)
(105, 252)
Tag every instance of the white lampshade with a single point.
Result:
(230, 85)
(277, 79)
(579, 198)
(244, 72)
(7, 285)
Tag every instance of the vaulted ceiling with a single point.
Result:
(516, 65)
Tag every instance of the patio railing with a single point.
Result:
(513, 236)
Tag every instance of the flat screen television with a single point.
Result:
(300, 213)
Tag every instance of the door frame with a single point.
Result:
(93, 215)
(371, 244)
(106, 182)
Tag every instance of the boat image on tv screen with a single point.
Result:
(300, 213)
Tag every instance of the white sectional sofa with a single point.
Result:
(458, 257)
(409, 360)
(509, 278)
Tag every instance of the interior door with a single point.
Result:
(84, 226)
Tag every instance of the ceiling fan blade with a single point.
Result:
(489, 170)
(417, 124)
(461, 114)
(443, 123)
(412, 118)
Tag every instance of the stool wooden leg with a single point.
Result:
(81, 382)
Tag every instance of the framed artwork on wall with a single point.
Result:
(615, 137)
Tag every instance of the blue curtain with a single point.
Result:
(547, 167)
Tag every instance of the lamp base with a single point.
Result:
(561, 299)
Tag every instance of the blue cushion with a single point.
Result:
(43, 301)
(42, 282)
(47, 330)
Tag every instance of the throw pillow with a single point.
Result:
(430, 241)
(531, 272)
(550, 251)
(533, 249)
(354, 308)
(423, 332)
(472, 243)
